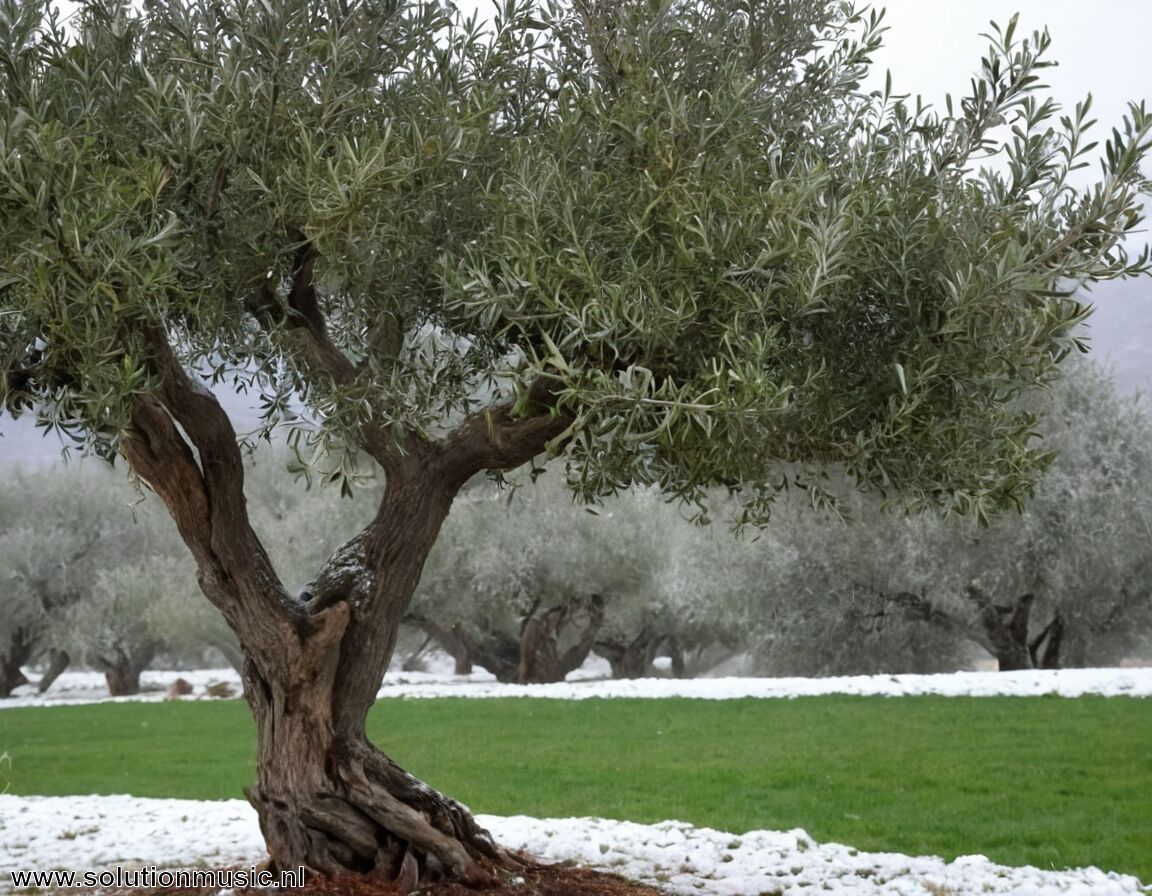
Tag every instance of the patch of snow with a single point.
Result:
(100, 832)
(1048, 682)
(79, 686)
(588, 682)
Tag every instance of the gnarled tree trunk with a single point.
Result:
(544, 655)
(326, 798)
(496, 651)
(122, 669)
(17, 653)
(492, 650)
(1002, 630)
(1005, 628)
(58, 661)
(631, 658)
(451, 638)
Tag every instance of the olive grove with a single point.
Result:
(94, 575)
(1066, 582)
(528, 584)
(673, 242)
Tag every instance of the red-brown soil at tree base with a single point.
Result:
(535, 880)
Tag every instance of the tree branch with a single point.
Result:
(159, 455)
(301, 314)
(306, 317)
(496, 440)
(204, 491)
(923, 610)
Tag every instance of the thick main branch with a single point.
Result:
(496, 439)
(197, 469)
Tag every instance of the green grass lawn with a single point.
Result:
(1041, 781)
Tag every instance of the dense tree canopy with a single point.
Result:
(682, 225)
(672, 239)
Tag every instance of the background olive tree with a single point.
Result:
(93, 573)
(56, 531)
(527, 583)
(1064, 582)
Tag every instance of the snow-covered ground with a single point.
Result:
(83, 833)
(86, 687)
(100, 832)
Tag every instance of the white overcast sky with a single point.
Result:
(1103, 47)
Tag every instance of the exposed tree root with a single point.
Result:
(367, 814)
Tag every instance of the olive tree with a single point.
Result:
(520, 583)
(56, 530)
(1065, 582)
(92, 572)
(822, 595)
(121, 626)
(1068, 581)
(673, 241)
(527, 583)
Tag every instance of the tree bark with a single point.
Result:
(451, 638)
(543, 657)
(326, 798)
(58, 661)
(17, 654)
(1045, 647)
(1006, 629)
(631, 659)
(496, 651)
(1001, 630)
(122, 669)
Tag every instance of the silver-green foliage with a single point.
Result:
(52, 535)
(686, 218)
(93, 566)
(504, 552)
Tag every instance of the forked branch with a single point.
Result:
(203, 488)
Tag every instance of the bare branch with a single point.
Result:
(923, 610)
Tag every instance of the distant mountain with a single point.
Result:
(1120, 332)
